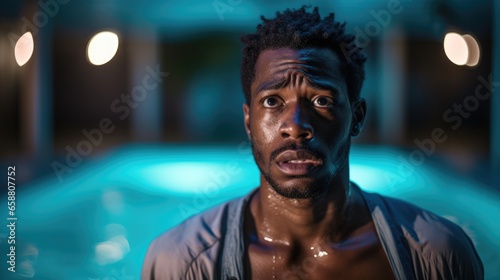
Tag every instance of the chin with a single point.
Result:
(300, 188)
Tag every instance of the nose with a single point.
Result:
(296, 124)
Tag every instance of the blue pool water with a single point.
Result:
(98, 221)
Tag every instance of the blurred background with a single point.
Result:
(123, 118)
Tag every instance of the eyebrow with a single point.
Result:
(273, 85)
(279, 84)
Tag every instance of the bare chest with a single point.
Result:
(358, 261)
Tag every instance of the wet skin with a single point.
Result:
(305, 221)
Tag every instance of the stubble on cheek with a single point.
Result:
(258, 155)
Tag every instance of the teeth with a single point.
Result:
(297, 161)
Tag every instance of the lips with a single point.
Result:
(297, 162)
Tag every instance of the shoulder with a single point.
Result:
(438, 247)
(191, 248)
(433, 232)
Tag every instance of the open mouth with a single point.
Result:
(297, 162)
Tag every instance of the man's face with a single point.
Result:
(300, 120)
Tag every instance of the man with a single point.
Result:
(302, 77)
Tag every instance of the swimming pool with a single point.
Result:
(98, 221)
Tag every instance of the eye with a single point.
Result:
(323, 101)
(271, 102)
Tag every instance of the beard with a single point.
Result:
(318, 186)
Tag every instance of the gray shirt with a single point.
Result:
(418, 244)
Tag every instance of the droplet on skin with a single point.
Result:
(322, 253)
(274, 262)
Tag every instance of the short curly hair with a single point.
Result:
(299, 29)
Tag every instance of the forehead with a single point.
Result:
(320, 65)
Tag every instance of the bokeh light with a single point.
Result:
(24, 48)
(474, 51)
(456, 48)
(102, 47)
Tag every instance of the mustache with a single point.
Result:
(294, 146)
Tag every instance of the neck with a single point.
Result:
(307, 221)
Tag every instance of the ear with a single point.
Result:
(246, 116)
(358, 116)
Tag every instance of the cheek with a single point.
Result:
(343, 123)
(265, 130)
(334, 133)
(344, 128)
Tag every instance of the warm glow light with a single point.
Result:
(474, 51)
(102, 47)
(456, 48)
(24, 48)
